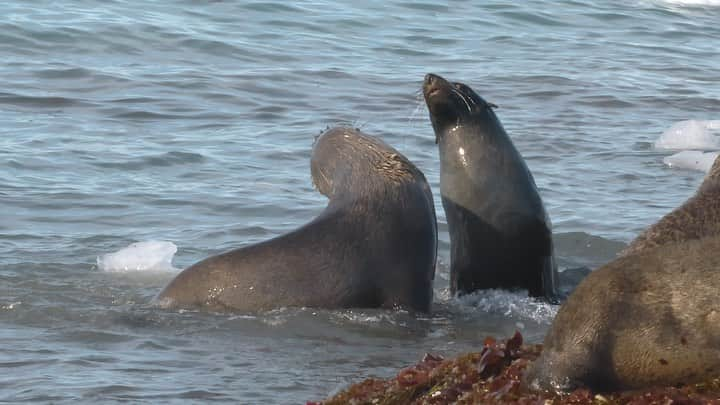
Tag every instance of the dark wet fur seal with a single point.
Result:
(373, 246)
(698, 217)
(645, 319)
(500, 234)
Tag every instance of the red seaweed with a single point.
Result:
(492, 376)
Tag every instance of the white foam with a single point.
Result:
(691, 134)
(10, 306)
(515, 305)
(692, 159)
(150, 255)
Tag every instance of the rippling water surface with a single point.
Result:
(193, 122)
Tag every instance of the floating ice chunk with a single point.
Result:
(141, 256)
(691, 134)
(692, 159)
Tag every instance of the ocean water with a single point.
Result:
(192, 122)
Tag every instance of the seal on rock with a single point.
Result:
(500, 234)
(698, 217)
(374, 245)
(647, 318)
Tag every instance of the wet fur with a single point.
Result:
(500, 234)
(648, 318)
(374, 245)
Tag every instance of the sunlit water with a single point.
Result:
(192, 122)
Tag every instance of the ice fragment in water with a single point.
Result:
(141, 256)
(691, 134)
(692, 159)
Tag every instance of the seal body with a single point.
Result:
(374, 245)
(500, 234)
(648, 318)
(698, 217)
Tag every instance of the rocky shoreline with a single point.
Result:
(492, 376)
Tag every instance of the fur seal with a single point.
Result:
(500, 234)
(374, 245)
(647, 318)
(698, 217)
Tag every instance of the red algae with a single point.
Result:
(492, 376)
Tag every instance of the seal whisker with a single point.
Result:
(415, 114)
(462, 97)
(472, 101)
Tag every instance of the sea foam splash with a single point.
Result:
(512, 304)
(150, 255)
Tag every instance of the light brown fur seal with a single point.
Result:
(648, 318)
(698, 217)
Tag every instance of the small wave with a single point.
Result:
(434, 8)
(370, 317)
(147, 115)
(175, 157)
(273, 7)
(39, 101)
(280, 316)
(63, 73)
(539, 19)
(179, 116)
(167, 159)
(212, 47)
(136, 100)
(606, 100)
(513, 304)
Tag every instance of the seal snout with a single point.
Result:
(432, 84)
(430, 78)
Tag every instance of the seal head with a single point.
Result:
(454, 104)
